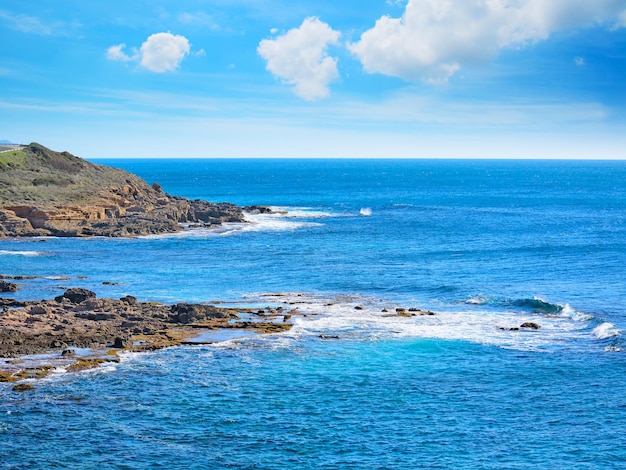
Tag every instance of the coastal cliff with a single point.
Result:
(48, 193)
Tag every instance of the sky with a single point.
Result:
(350, 78)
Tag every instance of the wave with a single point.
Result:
(605, 330)
(538, 305)
(534, 304)
(20, 253)
(365, 212)
(363, 318)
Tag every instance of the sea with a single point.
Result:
(487, 245)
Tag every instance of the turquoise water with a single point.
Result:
(485, 244)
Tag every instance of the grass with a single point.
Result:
(13, 158)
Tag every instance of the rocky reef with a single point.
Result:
(48, 193)
(78, 319)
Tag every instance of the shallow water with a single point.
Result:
(487, 245)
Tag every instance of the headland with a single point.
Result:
(49, 193)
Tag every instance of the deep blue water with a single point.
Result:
(484, 244)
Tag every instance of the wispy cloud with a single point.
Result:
(33, 25)
(199, 19)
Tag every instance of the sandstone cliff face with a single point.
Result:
(43, 192)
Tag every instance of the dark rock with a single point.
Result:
(23, 387)
(68, 352)
(530, 325)
(7, 286)
(189, 313)
(129, 299)
(328, 336)
(258, 210)
(121, 343)
(11, 303)
(358, 307)
(76, 295)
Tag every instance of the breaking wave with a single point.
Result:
(20, 253)
(363, 318)
(534, 304)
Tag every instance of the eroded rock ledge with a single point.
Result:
(48, 193)
(79, 319)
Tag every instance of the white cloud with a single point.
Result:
(579, 61)
(435, 38)
(161, 52)
(299, 58)
(117, 53)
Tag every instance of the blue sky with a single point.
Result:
(273, 78)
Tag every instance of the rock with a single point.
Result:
(7, 286)
(400, 310)
(328, 336)
(11, 303)
(23, 387)
(122, 343)
(96, 323)
(358, 307)
(530, 325)
(189, 313)
(39, 310)
(129, 299)
(76, 295)
(68, 352)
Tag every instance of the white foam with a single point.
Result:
(569, 312)
(20, 253)
(605, 330)
(365, 212)
(276, 222)
(363, 319)
(299, 212)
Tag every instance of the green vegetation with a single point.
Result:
(36, 175)
(12, 159)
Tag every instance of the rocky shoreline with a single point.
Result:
(48, 193)
(78, 319)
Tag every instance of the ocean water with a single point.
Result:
(486, 245)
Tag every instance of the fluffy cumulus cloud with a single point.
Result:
(300, 58)
(161, 52)
(435, 38)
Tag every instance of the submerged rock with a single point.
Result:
(23, 387)
(7, 286)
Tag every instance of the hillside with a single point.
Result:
(43, 192)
